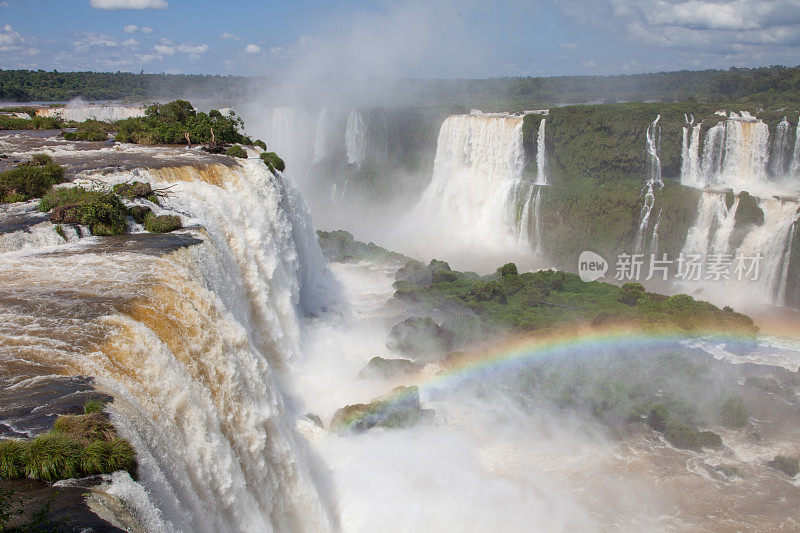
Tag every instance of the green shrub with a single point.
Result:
(734, 413)
(173, 122)
(29, 180)
(658, 417)
(261, 144)
(236, 151)
(94, 457)
(788, 465)
(631, 293)
(509, 269)
(272, 161)
(162, 223)
(52, 456)
(93, 406)
(709, 439)
(102, 211)
(11, 465)
(122, 456)
(140, 213)
(14, 123)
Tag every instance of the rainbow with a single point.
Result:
(519, 352)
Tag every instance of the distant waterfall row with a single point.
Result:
(737, 152)
(303, 137)
(479, 193)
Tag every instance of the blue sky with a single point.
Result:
(434, 38)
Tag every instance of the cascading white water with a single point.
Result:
(355, 138)
(690, 155)
(82, 111)
(794, 167)
(322, 136)
(712, 229)
(746, 153)
(541, 155)
(188, 343)
(780, 152)
(654, 183)
(771, 240)
(473, 196)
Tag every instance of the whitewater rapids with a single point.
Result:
(188, 342)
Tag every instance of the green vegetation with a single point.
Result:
(547, 300)
(102, 211)
(162, 223)
(261, 144)
(340, 247)
(78, 445)
(767, 86)
(30, 180)
(788, 465)
(34, 123)
(274, 162)
(91, 130)
(178, 123)
(734, 413)
(578, 215)
(236, 151)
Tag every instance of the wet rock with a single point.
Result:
(421, 338)
(378, 367)
(788, 465)
(315, 419)
(64, 214)
(400, 408)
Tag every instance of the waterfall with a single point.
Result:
(794, 168)
(355, 138)
(690, 155)
(476, 188)
(80, 112)
(189, 342)
(541, 155)
(323, 136)
(779, 157)
(654, 183)
(713, 227)
(771, 240)
(289, 131)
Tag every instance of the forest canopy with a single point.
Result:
(768, 86)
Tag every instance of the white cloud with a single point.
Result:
(165, 50)
(192, 49)
(147, 58)
(589, 64)
(252, 49)
(146, 29)
(130, 42)
(129, 4)
(132, 28)
(715, 27)
(275, 51)
(86, 40)
(10, 40)
(4, 4)
(568, 46)
(230, 37)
